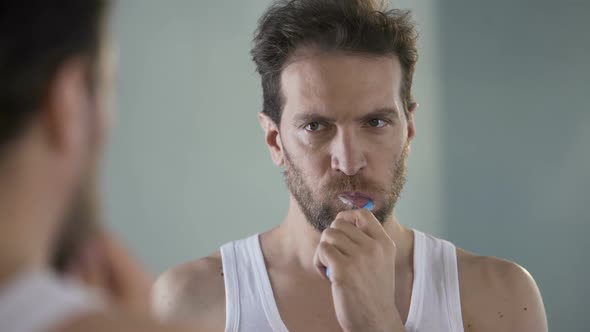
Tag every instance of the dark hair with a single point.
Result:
(353, 26)
(36, 38)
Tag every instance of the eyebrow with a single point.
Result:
(311, 117)
(385, 112)
(314, 116)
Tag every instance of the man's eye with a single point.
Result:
(314, 126)
(377, 123)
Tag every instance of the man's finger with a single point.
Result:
(339, 240)
(355, 234)
(90, 266)
(129, 282)
(327, 256)
(368, 223)
(365, 221)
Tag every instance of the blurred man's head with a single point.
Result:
(56, 72)
(338, 109)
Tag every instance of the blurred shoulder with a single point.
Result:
(194, 291)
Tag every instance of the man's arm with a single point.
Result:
(498, 295)
(119, 321)
(193, 293)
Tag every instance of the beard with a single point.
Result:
(80, 223)
(318, 204)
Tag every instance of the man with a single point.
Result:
(338, 114)
(56, 71)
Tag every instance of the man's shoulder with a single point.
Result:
(191, 277)
(492, 267)
(193, 290)
(498, 293)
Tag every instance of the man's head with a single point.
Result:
(337, 109)
(55, 95)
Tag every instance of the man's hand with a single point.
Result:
(104, 264)
(361, 258)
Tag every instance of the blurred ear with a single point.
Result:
(272, 139)
(66, 107)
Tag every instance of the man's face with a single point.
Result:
(344, 132)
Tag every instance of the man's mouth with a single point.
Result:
(356, 199)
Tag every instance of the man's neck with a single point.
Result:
(20, 249)
(297, 240)
(26, 226)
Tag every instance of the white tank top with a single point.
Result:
(40, 301)
(435, 303)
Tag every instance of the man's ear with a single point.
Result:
(272, 139)
(65, 112)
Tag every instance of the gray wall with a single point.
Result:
(516, 138)
(187, 170)
(498, 166)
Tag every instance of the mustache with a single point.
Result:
(355, 183)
